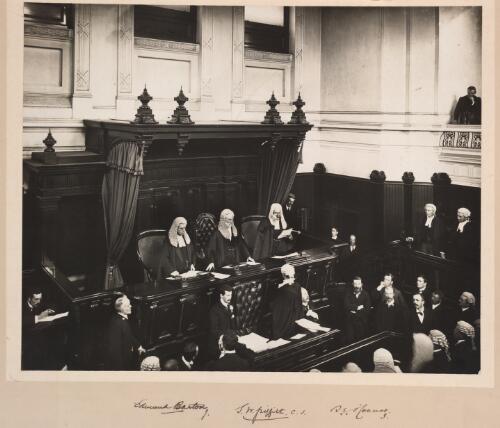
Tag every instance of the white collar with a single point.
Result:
(428, 221)
(226, 352)
(420, 310)
(421, 290)
(226, 305)
(459, 341)
(434, 306)
(124, 316)
(464, 309)
(286, 281)
(30, 305)
(460, 227)
(188, 363)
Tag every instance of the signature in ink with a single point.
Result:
(178, 407)
(359, 412)
(253, 414)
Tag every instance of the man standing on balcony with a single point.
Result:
(468, 108)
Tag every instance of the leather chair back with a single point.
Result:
(248, 306)
(149, 246)
(204, 227)
(249, 227)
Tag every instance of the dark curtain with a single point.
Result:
(277, 172)
(120, 189)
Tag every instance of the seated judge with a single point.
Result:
(430, 234)
(123, 348)
(229, 360)
(178, 255)
(357, 307)
(225, 246)
(274, 237)
(287, 305)
(421, 318)
(221, 318)
(389, 315)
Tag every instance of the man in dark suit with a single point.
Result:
(389, 315)
(468, 108)
(34, 347)
(122, 346)
(424, 289)
(188, 358)
(357, 308)
(291, 213)
(388, 281)
(350, 259)
(430, 235)
(229, 360)
(467, 308)
(442, 317)
(421, 318)
(221, 318)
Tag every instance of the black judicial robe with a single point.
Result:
(267, 243)
(122, 345)
(431, 239)
(469, 315)
(464, 246)
(467, 113)
(222, 251)
(286, 309)
(173, 259)
(33, 349)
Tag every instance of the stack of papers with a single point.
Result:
(285, 233)
(312, 326)
(257, 343)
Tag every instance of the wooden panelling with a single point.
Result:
(393, 210)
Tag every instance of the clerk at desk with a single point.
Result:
(178, 255)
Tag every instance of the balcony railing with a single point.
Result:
(461, 139)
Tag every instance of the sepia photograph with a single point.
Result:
(251, 188)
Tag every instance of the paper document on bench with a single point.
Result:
(311, 325)
(285, 233)
(276, 343)
(254, 342)
(286, 256)
(53, 317)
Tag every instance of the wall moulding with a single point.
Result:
(268, 56)
(44, 31)
(166, 45)
(46, 100)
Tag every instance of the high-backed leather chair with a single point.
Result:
(204, 227)
(249, 227)
(248, 306)
(149, 246)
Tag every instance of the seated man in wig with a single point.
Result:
(225, 246)
(178, 255)
(273, 235)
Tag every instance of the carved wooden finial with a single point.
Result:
(49, 143)
(298, 116)
(181, 114)
(272, 115)
(144, 113)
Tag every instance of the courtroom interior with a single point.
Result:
(243, 188)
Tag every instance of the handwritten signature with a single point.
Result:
(179, 407)
(360, 411)
(254, 414)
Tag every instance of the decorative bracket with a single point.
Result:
(182, 141)
(144, 142)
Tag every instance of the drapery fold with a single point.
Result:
(277, 173)
(120, 189)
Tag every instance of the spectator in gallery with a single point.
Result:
(350, 258)
(307, 312)
(467, 308)
(290, 212)
(150, 364)
(388, 281)
(468, 108)
(229, 359)
(357, 307)
(188, 358)
(334, 238)
(286, 307)
(274, 235)
(389, 315)
(383, 362)
(221, 318)
(123, 348)
(421, 318)
(178, 254)
(226, 247)
(430, 234)
(464, 355)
